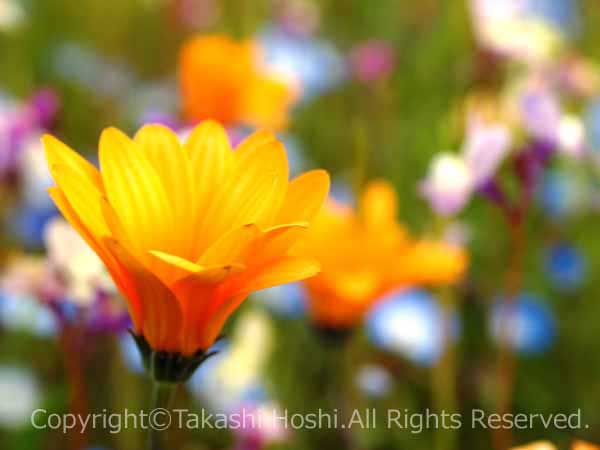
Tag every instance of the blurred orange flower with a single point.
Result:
(188, 231)
(539, 445)
(222, 79)
(545, 445)
(365, 254)
(580, 445)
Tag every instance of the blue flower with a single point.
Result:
(286, 300)
(562, 14)
(317, 65)
(29, 222)
(130, 354)
(562, 193)
(527, 324)
(25, 313)
(565, 266)
(592, 122)
(411, 324)
(374, 381)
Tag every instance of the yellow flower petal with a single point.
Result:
(276, 242)
(208, 145)
(187, 232)
(59, 154)
(83, 196)
(113, 266)
(181, 268)
(173, 166)
(71, 216)
(136, 193)
(162, 318)
(217, 317)
(231, 248)
(183, 264)
(253, 194)
(284, 270)
(211, 157)
(252, 142)
(211, 160)
(305, 196)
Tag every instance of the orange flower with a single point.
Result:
(188, 231)
(539, 445)
(581, 445)
(366, 254)
(222, 79)
(545, 445)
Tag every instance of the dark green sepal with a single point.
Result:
(169, 367)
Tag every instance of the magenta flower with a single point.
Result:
(372, 61)
(19, 122)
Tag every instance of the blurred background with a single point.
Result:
(483, 114)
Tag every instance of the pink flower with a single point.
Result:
(372, 61)
(453, 178)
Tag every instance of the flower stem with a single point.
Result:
(507, 363)
(162, 398)
(74, 361)
(361, 157)
(444, 375)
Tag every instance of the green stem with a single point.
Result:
(444, 375)
(162, 398)
(361, 157)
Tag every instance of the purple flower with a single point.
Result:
(372, 61)
(485, 149)
(154, 116)
(540, 112)
(44, 106)
(454, 178)
(19, 122)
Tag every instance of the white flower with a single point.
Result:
(571, 135)
(35, 174)
(72, 257)
(11, 14)
(449, 183)
(224, 380)
(250, 346)
(20, 396)
(509, 28)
